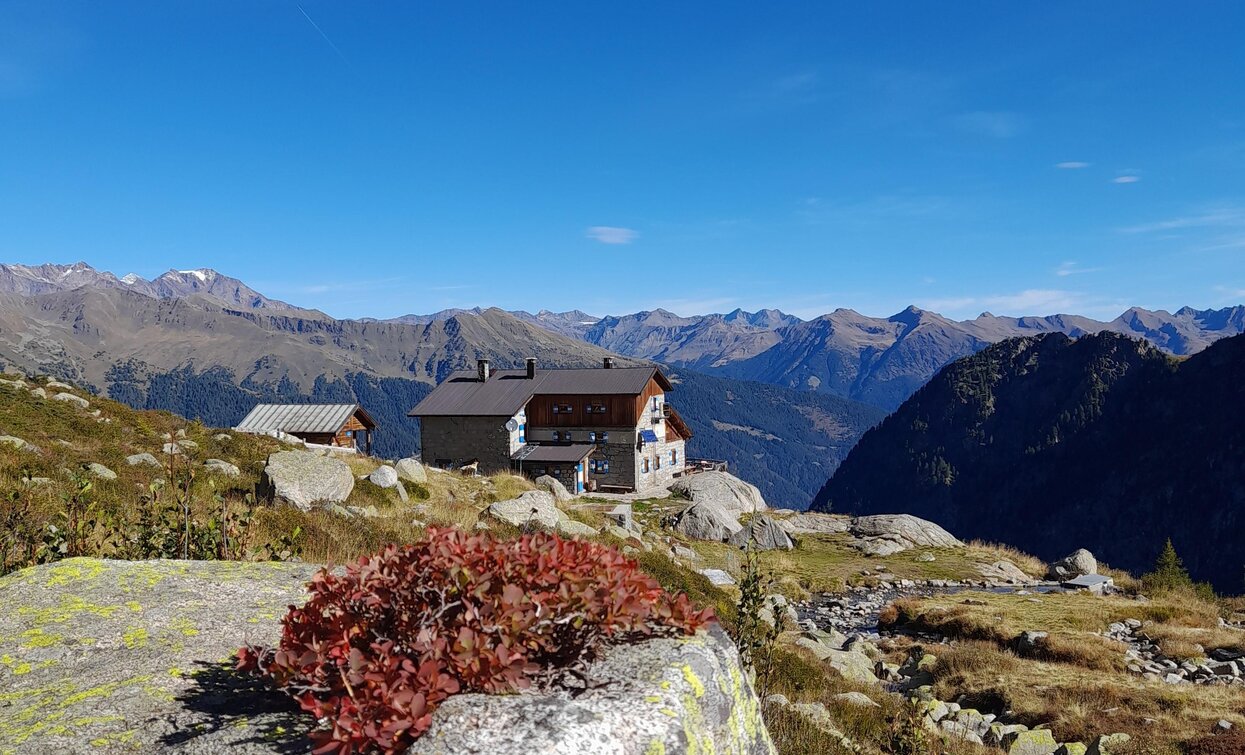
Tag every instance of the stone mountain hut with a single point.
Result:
(607, 428)
(340, 425)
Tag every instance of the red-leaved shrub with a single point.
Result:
(376, 651)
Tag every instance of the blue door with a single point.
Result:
(579, 477)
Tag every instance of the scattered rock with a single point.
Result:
(572, 528)
(38, 393)
(1071, 748)
(19, 444)
(304, 479)
(1030, 642)
(58, 385)
(718, 577)
(412, 470)
(533, 508)
(1031, 742)
(925, 558)
(99, 470)
(724, 491)
(77, 401)
(220, 466)
(857, 698)
(1003, 571)
(144, 458)
(222, 437)
(555, 487)
(1108, 744)
(762, 533)
(622, 515)
(706, 522)
(185, 443)
(1076, 564)
(171, 449)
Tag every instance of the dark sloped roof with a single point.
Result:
(505, 393)
(301, 418)
(550, 454)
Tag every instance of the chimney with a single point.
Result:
(609, 363)
(531, 368)
(482, 369)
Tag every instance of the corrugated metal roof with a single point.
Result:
(299, 418)
(648, 436)
(507, 391)
(550, 454)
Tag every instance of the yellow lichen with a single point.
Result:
(37, 638)
(698, 687)
(135, 637)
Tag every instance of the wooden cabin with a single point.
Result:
(340, 425)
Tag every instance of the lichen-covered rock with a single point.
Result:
(304, 479)
(1031, 742)
(387, 477)
(723, 491)
(411, 470)
(120, 656)
(662, 696)
(1071, 748)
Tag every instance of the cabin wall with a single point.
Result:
(454, 441)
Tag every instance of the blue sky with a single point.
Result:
(384, 158)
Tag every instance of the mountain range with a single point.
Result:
(1103, 442)
(210, 350)
(209, 346)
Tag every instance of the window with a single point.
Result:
(657, 461)
(644, 466)
(674, 457)
(592, 437)
(587, 408)
(603, 437)
(566, 436)
(603, 466)
(656, 403)
(557, 436)
(555, 408)
(566, 408)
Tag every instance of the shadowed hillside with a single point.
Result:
(1103, 442)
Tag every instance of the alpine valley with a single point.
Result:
(781, 399)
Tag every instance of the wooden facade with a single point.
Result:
(591, 411)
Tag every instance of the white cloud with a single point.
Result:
(1073, 268)
(1125, 179)
(1216, 217)
(997, 125)
(1229, 294)
(1030, 302)
(1071, 165)
(611, 235)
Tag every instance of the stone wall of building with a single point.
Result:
(458, 440)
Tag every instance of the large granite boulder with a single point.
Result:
(554, 486)
(411, 470)
(304, 479)
(1076, 564)
(721, 490)
(222, 467)
(121, 656)
(661, 696)
(535, 508)
(703, 521)
(386, 477)
(762, 533)
(814, 523)
(885, 534)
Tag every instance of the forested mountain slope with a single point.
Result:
(1050, 444)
